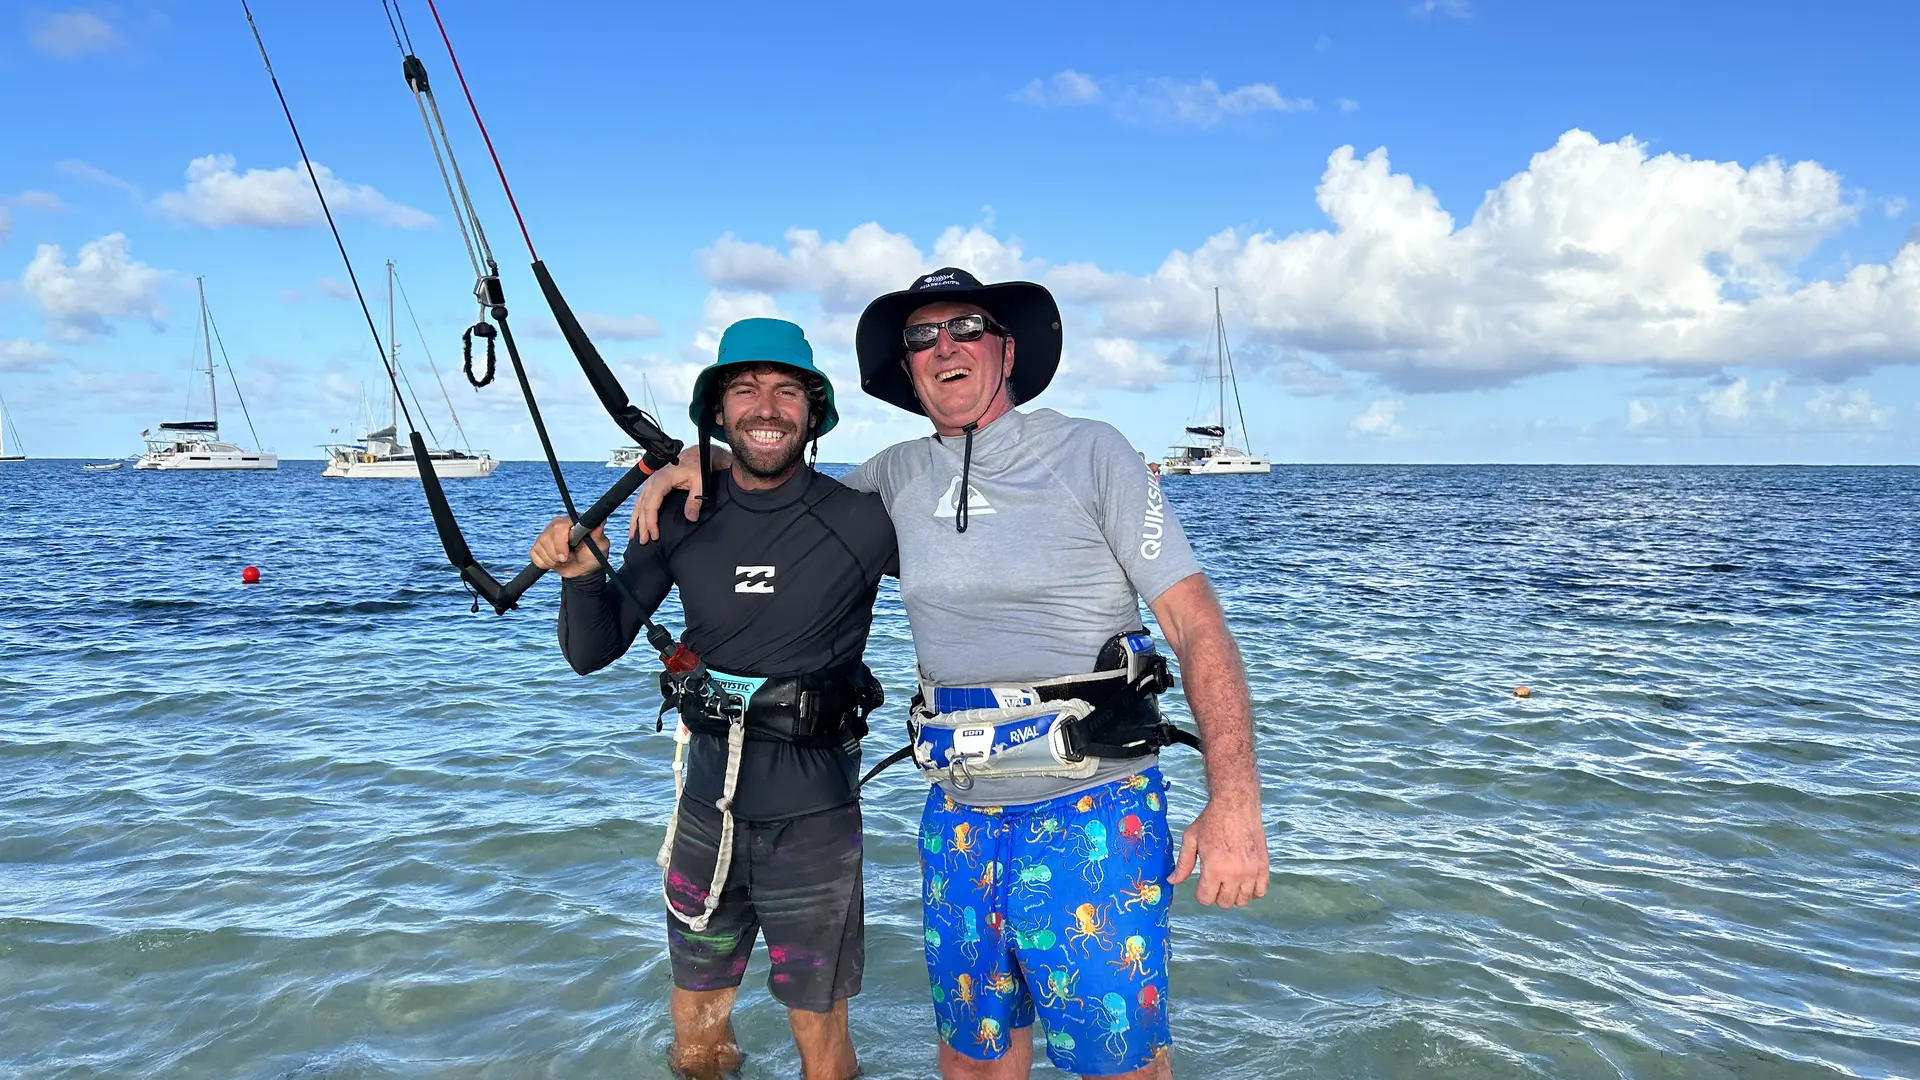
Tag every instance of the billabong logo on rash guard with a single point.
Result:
(759, 579)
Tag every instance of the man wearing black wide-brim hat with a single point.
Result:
(1027, 541)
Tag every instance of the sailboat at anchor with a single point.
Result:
(383, 454)
(1212, 454)
(195, 445)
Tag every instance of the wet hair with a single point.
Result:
(815, 384)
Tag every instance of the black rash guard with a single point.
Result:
(777, 582)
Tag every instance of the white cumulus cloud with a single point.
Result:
(1065, 88)
(601, 327)
(1597, 253)
(104, 282)
(1381, 419)
(1158, 100)
(1737, 408)
(73, 34)
(23, 356)
(216, 196)
(847, 274)
(1112, 363)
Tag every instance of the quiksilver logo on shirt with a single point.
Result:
(949, 504)
(1155, 526)
(754, 579)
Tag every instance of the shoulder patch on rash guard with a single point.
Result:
(1154, 527)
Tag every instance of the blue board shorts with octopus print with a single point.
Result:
(1055, 909)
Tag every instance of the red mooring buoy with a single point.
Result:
(250, 576)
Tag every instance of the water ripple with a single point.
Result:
(337, 826)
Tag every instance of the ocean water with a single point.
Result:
(336, 825)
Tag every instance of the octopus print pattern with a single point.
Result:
(1055, 911)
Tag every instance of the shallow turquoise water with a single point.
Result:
(335, 825)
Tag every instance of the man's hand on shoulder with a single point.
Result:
(643, 525)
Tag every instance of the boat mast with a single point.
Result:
(393, 354)
(1220, 361)
(213, 393)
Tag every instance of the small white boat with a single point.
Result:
(195, 445)
(102, 466)
(1211, 454)
(626, 457)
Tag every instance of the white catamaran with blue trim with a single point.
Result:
(195, 445)
(1212, 454)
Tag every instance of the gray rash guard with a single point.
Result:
(1066, 532)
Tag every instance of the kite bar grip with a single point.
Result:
(591, 519)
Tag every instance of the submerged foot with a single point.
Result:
(720, 1061)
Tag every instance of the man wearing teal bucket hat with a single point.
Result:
(777, 580)
(1028, 542)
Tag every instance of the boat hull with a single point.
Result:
(190, 461)
(1248, 467)
(444, 468)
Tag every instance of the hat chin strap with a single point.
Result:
(966, 457)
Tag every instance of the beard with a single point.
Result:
(765, 462)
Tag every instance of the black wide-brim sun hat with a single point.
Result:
(1025, 309)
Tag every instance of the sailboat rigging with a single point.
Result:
(1212, 454)
(6, 425)
(380, 454)
(195, 445)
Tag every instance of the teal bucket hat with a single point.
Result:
(769, 341)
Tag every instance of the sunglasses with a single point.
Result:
(960, 328)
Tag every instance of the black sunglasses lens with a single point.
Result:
(922, 336)
(966, 328)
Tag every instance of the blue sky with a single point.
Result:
(1448, 231)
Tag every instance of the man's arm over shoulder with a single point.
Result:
(860, 519)
(597, 621)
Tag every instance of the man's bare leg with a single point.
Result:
(826, 1050)
(704, 1047)
(1015, 1064)
(1160, 1068)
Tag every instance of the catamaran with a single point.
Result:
(196, 444)
(381, 455)
(626, 457)
(6, 425)
(1212, 454)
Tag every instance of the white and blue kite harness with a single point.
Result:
(961, 734)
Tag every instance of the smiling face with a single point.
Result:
(960, 382)
(763, 416)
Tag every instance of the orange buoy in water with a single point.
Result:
(250, 576)
(1523, 691)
